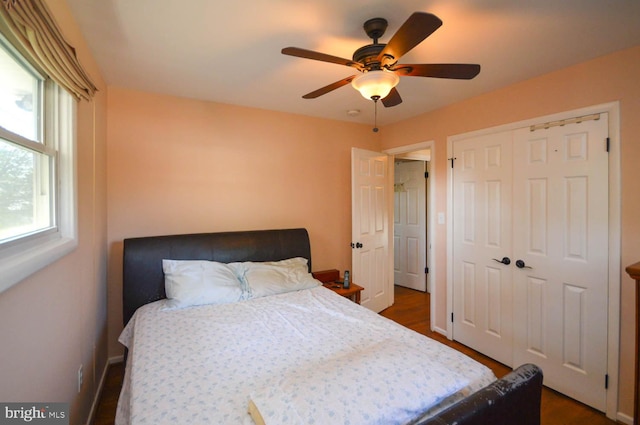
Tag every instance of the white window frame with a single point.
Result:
(23, 256)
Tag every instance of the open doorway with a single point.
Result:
(410, 221)
(422, 154)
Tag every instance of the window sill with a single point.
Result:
(20, 265)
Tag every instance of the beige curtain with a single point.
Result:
(33, 26)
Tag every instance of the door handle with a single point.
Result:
(521, 265)
(505, 260)
(356, 245)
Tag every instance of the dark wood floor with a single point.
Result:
(106, 410)
(411, 309)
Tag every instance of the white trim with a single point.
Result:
(624, 418)
(20, 259)
(615, 227)
(431, 221)
(449, 322)
(391, 295)
(410, 148)
(613, 345)
(116, 359)
(21, 265)
(98, 394)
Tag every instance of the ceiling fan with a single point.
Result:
(378, 62)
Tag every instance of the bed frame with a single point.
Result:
(514, 399)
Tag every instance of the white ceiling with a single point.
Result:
(229, 51)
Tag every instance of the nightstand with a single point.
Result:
(329, 280)
(353, 292)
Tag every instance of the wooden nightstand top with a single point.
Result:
(339, 289)
(353, 292)
(329, 279)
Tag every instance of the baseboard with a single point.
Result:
(439, 330)
(116, 359)
(96, 398)
(625, 419)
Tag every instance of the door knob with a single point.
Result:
(521, 265)
(505, 260)
(356, 245)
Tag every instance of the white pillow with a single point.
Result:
(198, 282)
(275, 277)
(298, 264)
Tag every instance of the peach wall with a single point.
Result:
(179, 166)
(606, 79)
(55, 319)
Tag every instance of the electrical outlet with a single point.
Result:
(80, 378)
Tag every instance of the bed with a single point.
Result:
(268, 344)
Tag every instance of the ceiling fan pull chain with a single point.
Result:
(375, 113)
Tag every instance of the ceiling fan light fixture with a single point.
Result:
(375, 84)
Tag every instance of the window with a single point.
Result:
(37, 169)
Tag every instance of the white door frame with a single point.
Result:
(431, 223)
(613, 346)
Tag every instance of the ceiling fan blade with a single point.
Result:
(330, 87)
(392, 99)
(459, 71)
(419, 26)
(310, 54)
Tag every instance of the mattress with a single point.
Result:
(298, 357)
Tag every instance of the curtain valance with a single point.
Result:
(33, 26)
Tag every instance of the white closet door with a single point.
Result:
(560, 227)
(482, 297)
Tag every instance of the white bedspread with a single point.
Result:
(201, 365)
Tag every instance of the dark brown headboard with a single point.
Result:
(143, 279)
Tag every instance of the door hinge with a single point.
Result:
(608, 144)
(452, 159)
(606, 381)
(451, 317)
(426, 174)
(426, 270)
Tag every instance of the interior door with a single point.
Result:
(370, 229)
(482, 287)
(409, 225)
(540, 199)
(560, 289)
